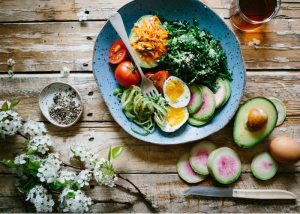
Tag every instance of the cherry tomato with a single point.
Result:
(117, 52)
(127, 74)
(159, 79)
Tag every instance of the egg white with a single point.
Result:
(183, 100)
(169, 128)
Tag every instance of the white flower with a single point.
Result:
(11, 62)
(22, 158)
(83, 15)
(49, 168)
(40, 143)
(65, 72)
(212, 53)
(83, 178)
(74, 201)
(41, 200)
(10, 122)
(34, 128)
(89, 158)
(104, 173)
(10, 73)
(66, 175)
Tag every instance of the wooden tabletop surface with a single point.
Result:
(43, 36)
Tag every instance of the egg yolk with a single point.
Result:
(174, 90)
(175, 116)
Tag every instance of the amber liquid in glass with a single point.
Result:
(252, 13)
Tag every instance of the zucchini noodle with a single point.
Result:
(142, 110)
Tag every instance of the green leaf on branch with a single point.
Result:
(4, 106)
(57, 185)
(27, 186)
(14, 103)
(9, 164)
(71, 195)
(116, 152)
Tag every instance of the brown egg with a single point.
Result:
(285, 150)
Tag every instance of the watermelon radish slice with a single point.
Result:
(224, 165)
(199, 155)
(280, 107)
(223, 93)
(196, 99)
(263, 166)
(186, 172)
(208, 106)
(194, 122)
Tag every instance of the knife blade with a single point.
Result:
(240, 193)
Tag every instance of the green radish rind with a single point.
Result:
(196, 99)
(208, 106)
(214, 170)
(186, 172)
(194, 122)
(200, 166)
(223, 93)
(258, 168)
(244, 137)
(281, 109)
(142, 63)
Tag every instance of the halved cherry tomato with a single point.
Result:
(159, 79)
(117, 52)
(127, 74)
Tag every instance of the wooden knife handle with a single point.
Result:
(263, 194)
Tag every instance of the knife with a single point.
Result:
(240, 193)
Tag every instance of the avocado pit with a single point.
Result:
(257, 119)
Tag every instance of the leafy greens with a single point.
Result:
(194, 55)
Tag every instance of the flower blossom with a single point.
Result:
(74, 201)
(22, 159)
(49, 168)
(41, 200)
(34, 128)
(10, 122)
(66, 175)
(87, 157)
(104, 173)
(40, 143)
(10, 62)
(83, 178)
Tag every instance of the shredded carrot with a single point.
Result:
(150, 39)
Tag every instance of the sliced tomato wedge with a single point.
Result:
(117, 52)
(158, 79)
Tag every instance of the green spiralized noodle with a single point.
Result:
(142, 110)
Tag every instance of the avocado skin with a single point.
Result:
(265, 134)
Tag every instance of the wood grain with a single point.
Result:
(50, 46)
(58, 10)
(140, 157)
(284, 85)
(166, 192)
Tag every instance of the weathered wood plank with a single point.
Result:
(140, 157)
(165, 190)
(50, 46)
(57, 10)
(284, 85)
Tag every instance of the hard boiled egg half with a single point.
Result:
(176, 92)
(174, 119)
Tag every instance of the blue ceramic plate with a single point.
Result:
(181, 10)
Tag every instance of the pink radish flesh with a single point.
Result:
(206, 104)
(227, 166)
(201, 158)
(188, 169)
(267, 165)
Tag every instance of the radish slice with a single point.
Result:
(263, 166)
(186, 172)
(199, 155)
(224, 165)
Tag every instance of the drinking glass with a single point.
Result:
(251, 14)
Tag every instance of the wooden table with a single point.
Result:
(43, 36)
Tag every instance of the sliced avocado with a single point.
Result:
(132, 37)
(242, 135)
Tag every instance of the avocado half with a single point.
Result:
(245, 138)
(132, 37)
